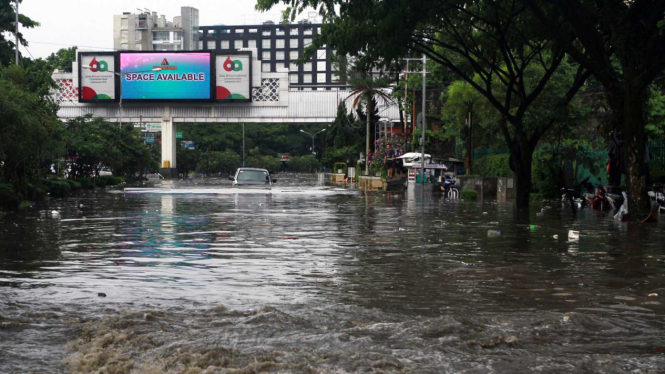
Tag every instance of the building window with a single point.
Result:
(307, 78)
(308, 31)
(334, 77)
(239, 31)
(266, 33)
(306, 42)
(225, 44)
(293, 78)
(211, 44)
(321, 54)
(238, 44)
(321, 78)
(279, 43)
(293, 66)
(251, 43)
(124, 46)
(307, 66)
(265, 67)
(279, 55)
(160, 35)
(294, 31)
(293, 43)
(266, 56)
(200, 44)
(265, 43)
(124, 24)
(321, 66)
(293, 55)
(253, 31)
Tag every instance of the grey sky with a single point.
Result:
(89, 23)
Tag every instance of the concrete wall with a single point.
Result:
(490, 188)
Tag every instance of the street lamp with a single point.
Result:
(303, 131)
(121, 75)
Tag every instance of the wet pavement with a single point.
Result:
(196, 277)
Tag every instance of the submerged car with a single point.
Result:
(252, 177)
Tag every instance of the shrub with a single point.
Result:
(36, 192)
(75, 186)
(87, 183)
(9, 198)
(657, 172)
(109, 180)
(471, 195)
(304, 164)
(57, 187)
(493, 166)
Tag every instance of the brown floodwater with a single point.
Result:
(198, 277)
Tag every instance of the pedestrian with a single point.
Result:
(388, 159)
(398, 161)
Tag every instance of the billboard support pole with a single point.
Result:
(120, 100)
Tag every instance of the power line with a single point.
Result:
(69, 45)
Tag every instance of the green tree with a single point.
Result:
(62, 59)
(7, 19)
(498, 42)
(30, 132)
(623, 44)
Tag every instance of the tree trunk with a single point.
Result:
(522, 161)
(633, 149)
(367, 134)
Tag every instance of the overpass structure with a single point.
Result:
(273, 100)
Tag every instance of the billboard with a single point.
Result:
(233, 76)
(97, 78)
(165, 76)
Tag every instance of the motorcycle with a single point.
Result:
(596, 197)
(447, 188)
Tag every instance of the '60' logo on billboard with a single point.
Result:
(230, 65)
(98, 66)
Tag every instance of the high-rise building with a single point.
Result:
(277, 46)
(146, 31)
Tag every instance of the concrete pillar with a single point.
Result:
(168, 167)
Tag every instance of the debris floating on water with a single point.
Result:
(402, 229)
(101, 294)
(290, 238)
(555, 236)
(573, 236)
(653, 295)
(493, 233)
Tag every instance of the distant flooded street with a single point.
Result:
(196, 277)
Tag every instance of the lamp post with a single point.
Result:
(305, 132)
(121, 75)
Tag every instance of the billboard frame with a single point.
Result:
(116, 80)
(210, 99)
(214, 66)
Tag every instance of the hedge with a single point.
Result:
(9, 198)
(471, 195)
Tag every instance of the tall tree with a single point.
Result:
(498, 41)
(7, 20)
(623, 44)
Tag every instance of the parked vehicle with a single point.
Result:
(252, 177)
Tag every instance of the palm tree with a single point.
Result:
(364, 89)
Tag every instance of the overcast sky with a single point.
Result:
(89, 24)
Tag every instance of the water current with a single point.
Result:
(197, 277)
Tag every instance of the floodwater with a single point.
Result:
(195, 277)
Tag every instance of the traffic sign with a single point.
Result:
(178, 135)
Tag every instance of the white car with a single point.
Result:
(252, 177)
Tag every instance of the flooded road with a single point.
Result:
(194, 277)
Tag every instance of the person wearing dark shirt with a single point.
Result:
(389, 160)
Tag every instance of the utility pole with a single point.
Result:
(422, 138)
(406, 90)
(16, 32)
(243, 144)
